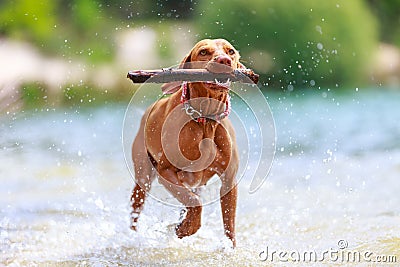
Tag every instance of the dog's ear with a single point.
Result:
(172, 87)
(186, 60)
(241, 66)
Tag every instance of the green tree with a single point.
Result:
(86, 15)
(26, 19)
(388, 13)
(311, 42)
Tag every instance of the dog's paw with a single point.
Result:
(232, 238)
(133, 226)
(134, 219)
(190, 224)
(186, 228)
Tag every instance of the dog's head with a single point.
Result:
(217, 51)
(215, 55)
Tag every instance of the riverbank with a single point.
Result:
(30, 77)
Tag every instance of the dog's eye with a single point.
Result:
(231, 51)
(203, 52)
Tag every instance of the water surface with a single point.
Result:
(65, 188)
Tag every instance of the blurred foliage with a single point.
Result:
(310, 41)
(33, 94)
(156, 10)
(67, 28)
(86, 16)
(85, 95)
(388, 13)
(83, 28)
(26, 19)
(86, 30)
(295, 43)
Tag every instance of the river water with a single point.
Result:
(334, 187)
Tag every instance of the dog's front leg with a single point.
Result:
(192, 222)
(228, 200)
(144, 174)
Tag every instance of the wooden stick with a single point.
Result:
(171, 75)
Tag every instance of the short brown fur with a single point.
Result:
(149, 157)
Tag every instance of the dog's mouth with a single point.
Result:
(218, 85)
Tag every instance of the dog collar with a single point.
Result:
(197, 115)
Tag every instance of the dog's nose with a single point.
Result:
(223, 59)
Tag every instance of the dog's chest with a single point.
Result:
(208, 148)
(194, 139)
(209, 142)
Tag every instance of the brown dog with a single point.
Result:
(173, 141)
